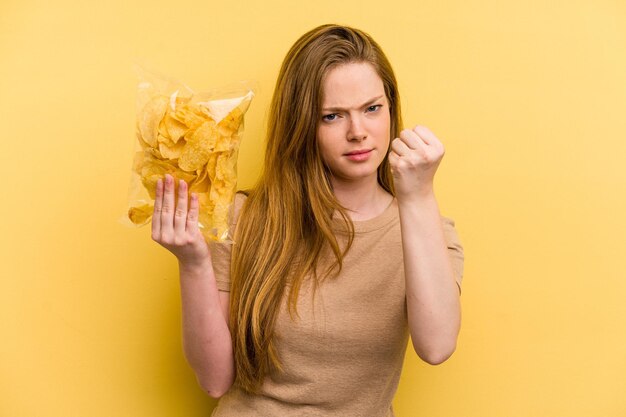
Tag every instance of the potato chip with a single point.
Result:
(211, 165)
(190, 115)
(175, 128)
(202, 182)
(163, 140)
(220, 195)
(225, 166)
(140, 215)
(162, 132)
(150, 117)
(232, 121)
(200, 144)
(154, 169)
(220, 217)
(224, 143)
(172, 151)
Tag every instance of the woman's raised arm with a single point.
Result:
(206, 336)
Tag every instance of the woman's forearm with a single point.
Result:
(432, 296)
(206, 337)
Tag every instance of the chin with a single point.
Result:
(358, 175)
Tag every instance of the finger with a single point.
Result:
(411, 139)
(156, 214)
(400, 147)
(192, 216)
(167, 212)
(425, 134)
(180, 215)
(393, 158)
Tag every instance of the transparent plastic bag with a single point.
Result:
(193, 136)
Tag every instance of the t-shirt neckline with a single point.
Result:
(375, 223)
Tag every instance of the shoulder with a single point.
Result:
(240, 198)
(235, 209)
(450, 230)
(447, 221)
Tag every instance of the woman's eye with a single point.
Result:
(374, 107)
(329, 117)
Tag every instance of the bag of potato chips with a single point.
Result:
(193, 136)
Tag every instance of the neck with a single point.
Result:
(364, 199)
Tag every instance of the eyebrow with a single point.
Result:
(359, 107)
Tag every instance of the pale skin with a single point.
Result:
(433, 304)
(207, 341)
(362, 123)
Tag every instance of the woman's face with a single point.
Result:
(353, 133)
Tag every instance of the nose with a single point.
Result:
(357, 129)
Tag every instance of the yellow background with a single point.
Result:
(528, 97)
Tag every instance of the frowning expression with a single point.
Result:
(354, 130)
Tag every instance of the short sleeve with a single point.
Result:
(455, 249)
(221, 251)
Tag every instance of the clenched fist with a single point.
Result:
(414, 159)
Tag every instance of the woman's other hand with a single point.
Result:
(175, 226)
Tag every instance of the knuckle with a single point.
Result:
(180, 240)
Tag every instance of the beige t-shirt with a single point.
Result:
(344, 356)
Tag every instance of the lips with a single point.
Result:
(358, 152)
(360, 155)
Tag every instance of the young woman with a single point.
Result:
(340, 251)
